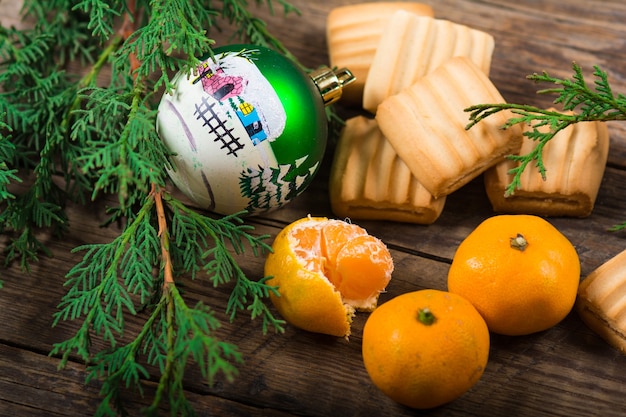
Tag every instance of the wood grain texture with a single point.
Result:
(565, 371)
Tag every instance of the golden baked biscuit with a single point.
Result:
(369, 181)
(575, 159)
(426, 122)
(352, 35)
(412, 46)
(601, 301)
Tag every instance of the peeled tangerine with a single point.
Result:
(325, 270)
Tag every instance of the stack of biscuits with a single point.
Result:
(416, 75)
(411, 150)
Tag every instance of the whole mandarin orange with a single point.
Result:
(519, 271)
(325, 270)
(425, 348)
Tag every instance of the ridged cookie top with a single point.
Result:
(369, 180)
(412, 46)
(605, 289)
(425, 124)
(353, 33)
(574, 159)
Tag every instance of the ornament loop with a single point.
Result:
(331, 83)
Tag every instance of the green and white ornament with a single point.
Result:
(248, 128)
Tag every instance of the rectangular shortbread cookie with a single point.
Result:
(575, 159)
(352, 35)
(412, 46)
(369, 180)
(426, 122)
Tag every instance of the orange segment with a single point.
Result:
(362, 268)
(335, 234)
(324, 270)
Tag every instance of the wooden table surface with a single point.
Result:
(565, 371)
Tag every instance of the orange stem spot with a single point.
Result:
(425, 316)
(519, 242)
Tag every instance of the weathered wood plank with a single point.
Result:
(31, 385)
(272, 361)
(565, 371)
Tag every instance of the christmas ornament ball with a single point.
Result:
(248, 128)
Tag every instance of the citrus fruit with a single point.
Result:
(519, 271)
(425, 348)
(325, 270)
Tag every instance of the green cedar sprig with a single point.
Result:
(76, 136)
(7, 153)
(254, 28)
(579, 102)
(115, 280)
(7, 175)
(190, 233)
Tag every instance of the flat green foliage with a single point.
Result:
(75, 136)
(579, 102)
(189, 248)
(7, 175)
(116, 279)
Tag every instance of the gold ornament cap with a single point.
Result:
(331, 82)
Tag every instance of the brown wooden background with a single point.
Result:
(565, 371)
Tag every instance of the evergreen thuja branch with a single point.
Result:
(101, 16)
(70, 132)
(618, 227)
(66, 25)
(7, 175)
(118, 279)
(107, 283)
(579, 101)
(95, 131)
(172, 38)
(124, 149)
(32, 71)
(188, 334)
(121, 366)
(202, 244)
(35, 137)
(7, 155)
(253, 29)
